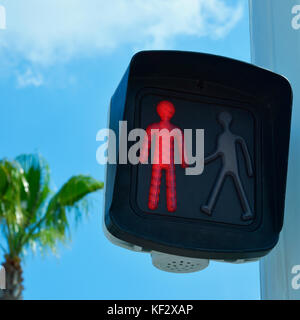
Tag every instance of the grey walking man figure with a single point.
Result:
(226, 148)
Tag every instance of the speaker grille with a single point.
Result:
(177, 264)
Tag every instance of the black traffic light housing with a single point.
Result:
(206, 90)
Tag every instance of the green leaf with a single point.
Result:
(37, 174)
(77, 188)
(3, 181)
(54, 225)
(69, 195)
(12, 216)
(28, 218)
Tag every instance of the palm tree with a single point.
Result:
(32, 216)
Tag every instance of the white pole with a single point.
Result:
(275, 45)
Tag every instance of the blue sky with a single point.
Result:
(60, 63)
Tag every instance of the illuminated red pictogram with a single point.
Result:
(163, 133)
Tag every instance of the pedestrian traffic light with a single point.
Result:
(229, 203)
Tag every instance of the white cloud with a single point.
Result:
(44, 32)
(29, 78)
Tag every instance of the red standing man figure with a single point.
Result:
(163, 133)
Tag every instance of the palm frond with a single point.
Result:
(54, 224)
(12, 216)
(28, 215)
(76, 189)
(37, 174)
(68, 196)
(13, 183)
(3, 181)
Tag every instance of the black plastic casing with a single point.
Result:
(201, 86)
